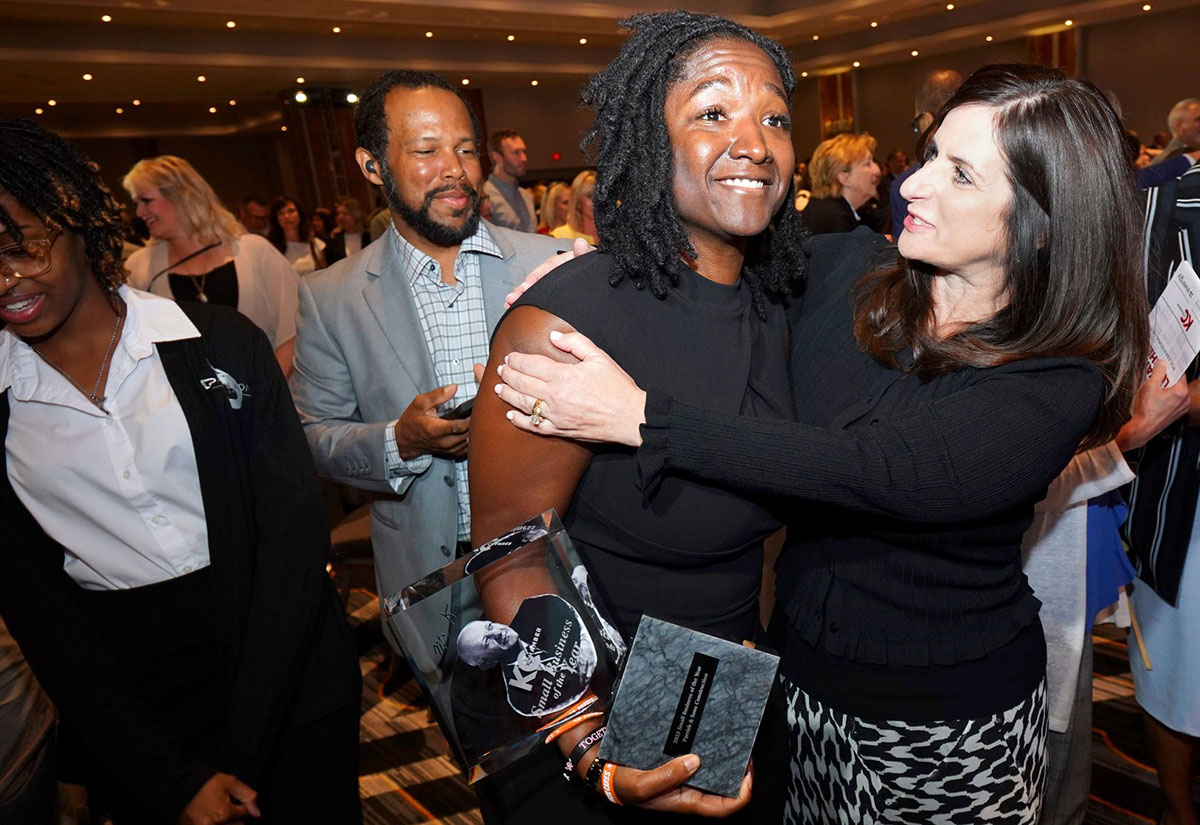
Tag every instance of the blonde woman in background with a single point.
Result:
(580, 218)
(844, 179)
(555, 205)
(199, 252)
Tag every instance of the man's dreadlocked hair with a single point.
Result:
(636, 217)
(54, 180)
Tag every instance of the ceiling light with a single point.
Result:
(51, 102)
(39, 110)
(583, 41)
(949, 7)
(200, 78)
(299, 80)
(231, 24)
(857, 64)
(874, 24)
(107, 18)
(511, 38)
(533, 83)
(351, 97)
(804, 74)
(120, 111)
(1068, 22)
(1146, 7)
(232, 102)
(429, 34)
(301, 97)
(137, 102)
(283, 128)
(212, 110)
(816, 37)
(337, 29)
(989, 38)
(914, 52)
(87, 77)
(466, 81)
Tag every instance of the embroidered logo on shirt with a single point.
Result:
(233, 390)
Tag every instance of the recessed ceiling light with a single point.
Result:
(583, 41)
(857, 64)
(107, 18)
(337, 29)
(212, 110)
(914, 52)
(816, 37)
(533, 83)
(39, 110)
(232, 102)
(466, 81)
(352, 98)
(299, 80)
(874, 24)
(989, 38)
(231, 24)
(511, 38)
(283, 128)
(51, 102)
(1146, 7)
(1068, 22)
(137, 102)
(804, 74)
(429, 34)
(301, 97)
(87, 77)
(120, 111)
(949, 7)
(200, 78)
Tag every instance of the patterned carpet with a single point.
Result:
(407, 775)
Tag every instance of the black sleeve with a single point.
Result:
(969, 454)
(40, 603)
(291, 549)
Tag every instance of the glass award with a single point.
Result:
(510, 643)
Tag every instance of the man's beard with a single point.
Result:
(422, 222)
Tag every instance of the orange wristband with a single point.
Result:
(573, 723)
(608, 778)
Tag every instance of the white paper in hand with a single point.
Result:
(1174, 331)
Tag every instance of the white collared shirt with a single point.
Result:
(120, 492)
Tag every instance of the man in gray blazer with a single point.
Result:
(387, 338)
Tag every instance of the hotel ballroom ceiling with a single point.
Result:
(132, 67)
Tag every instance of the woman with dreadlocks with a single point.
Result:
(937, 396)
(693, 200)
(163, 563)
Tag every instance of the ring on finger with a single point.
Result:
(535, 415)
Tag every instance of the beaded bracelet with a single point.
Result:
(608, 776)
(592, 778)
(582, 747)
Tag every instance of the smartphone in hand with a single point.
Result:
(463, 410)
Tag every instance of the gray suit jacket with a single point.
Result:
(360, 360)
(502, 212)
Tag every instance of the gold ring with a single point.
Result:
(536, 412)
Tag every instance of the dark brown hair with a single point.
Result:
(1072, 269)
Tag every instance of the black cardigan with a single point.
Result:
(288, 653)
(909, 498)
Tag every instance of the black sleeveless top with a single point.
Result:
(220, 286)
(691, 552)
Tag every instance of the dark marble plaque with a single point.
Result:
(683, 691)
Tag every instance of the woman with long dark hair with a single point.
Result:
(937, 395)
(163, 566)
(289, 231)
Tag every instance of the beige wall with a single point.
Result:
(549, 119)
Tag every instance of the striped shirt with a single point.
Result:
(455, 329)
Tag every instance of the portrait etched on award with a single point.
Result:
(501, 681)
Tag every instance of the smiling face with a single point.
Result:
(732, 157)
(288, 216)
(35, 307)
(432, 173)
(958, 198)
(860, 181)
(158, 212)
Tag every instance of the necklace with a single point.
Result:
(93, 396)
(200, 296)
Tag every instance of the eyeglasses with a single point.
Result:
(29, 259)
